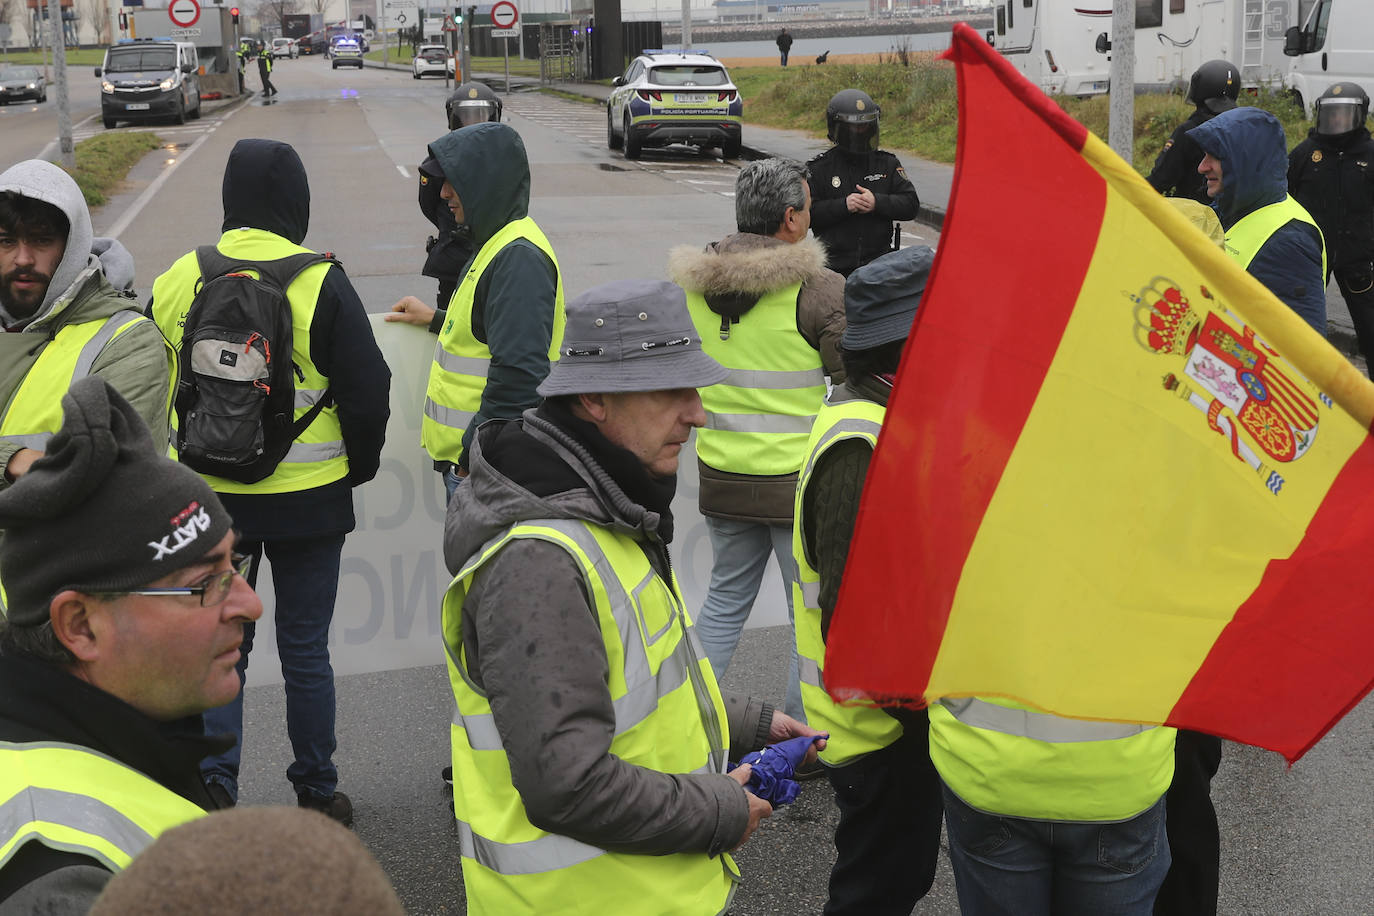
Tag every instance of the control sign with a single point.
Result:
(504, 15)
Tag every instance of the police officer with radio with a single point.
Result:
(1329, 174)
(1214, 88)
(857, 190)
(447, 251)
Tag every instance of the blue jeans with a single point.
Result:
(451, 482)
(1005, 866)
(305, 577)
(739, 555)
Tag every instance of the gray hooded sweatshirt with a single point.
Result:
(533, 644)
(86, 287)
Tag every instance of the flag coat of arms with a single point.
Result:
(1118, 479)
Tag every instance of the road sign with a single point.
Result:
(183, 13)
(504, 15)
(505, 33)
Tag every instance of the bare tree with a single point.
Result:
(320, 6)
(8, 9)
(270, 12)
(97, 14)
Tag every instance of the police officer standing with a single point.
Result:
(857, 190)
(1213, 89)
(1329, 174)
(447, 251)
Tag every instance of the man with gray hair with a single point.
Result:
(769, 310)
(590, 738)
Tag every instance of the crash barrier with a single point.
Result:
(393, 578)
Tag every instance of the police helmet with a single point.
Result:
(851, 121)
(472, 103)
(1341, 109)
(1215, 86)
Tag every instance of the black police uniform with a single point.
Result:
(450, 249)
(1333, 178)
(854, 239)
(1175, 173)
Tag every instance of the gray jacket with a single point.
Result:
(533, 644)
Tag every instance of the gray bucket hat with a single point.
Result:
(880, 298)
(630, 335)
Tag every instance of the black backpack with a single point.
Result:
(236, 391)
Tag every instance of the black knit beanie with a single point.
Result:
(103, 510)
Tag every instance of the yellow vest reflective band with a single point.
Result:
(669, 717)
(758, 419)
(1005, 758)
(318, 455)
(1248, 235)
(459, 373)
(854, 730)
(73, 799)
(34, 412)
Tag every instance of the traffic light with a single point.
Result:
(234, 13)
(457, 15)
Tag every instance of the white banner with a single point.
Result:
(393, 578)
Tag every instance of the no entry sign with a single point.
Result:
(183, 13)
(504, 15)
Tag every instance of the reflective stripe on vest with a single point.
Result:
(1019, 762)
(318, 456)
(34, 412)
(74, 799)
(1248, 235)
(854, 730)
(758, 419)
(669, 717)
(458, 376)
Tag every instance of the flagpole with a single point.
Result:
(1121, 117)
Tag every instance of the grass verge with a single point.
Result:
(919, 101)
(76, 57)
(103, 161)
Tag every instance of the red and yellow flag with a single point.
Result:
(1118, 479)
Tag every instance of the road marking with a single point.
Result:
(404, 173)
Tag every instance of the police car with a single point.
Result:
(668, 97)
(346, 52)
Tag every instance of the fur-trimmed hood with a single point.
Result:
(737, 271)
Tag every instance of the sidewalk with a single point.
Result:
(934, 182)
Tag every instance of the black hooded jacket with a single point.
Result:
(266, 187)
(1333, 179)
(1175, 173)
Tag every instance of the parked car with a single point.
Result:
(284, 47)
(19, 83)
(431, 59)
(668, 97)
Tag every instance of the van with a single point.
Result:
(146, 78)
(1333, 44)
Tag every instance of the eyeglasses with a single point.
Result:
(213, 589)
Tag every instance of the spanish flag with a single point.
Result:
(1118, 479)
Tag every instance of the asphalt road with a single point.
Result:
(1295, 841)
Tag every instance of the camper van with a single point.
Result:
(1065, 47)
(1333, 43)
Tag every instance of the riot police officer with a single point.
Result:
(857, 190)
(1214, 88)
(1329, 174)
(450, 249)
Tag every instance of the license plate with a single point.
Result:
(136, 106)
(691, 96)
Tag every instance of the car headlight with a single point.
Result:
(33, 85)
(106, 86)
(166, 84)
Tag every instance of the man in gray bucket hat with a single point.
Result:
(590, 739)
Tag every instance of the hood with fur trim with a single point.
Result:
(734, 273)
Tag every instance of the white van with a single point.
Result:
(1333, 44)
(1055, 43)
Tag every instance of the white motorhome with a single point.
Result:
(1061, 45)
(1334, 43)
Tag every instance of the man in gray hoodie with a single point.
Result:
(66, 315)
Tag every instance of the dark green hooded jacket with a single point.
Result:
(512, 311)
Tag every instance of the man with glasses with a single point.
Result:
(126, 613)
